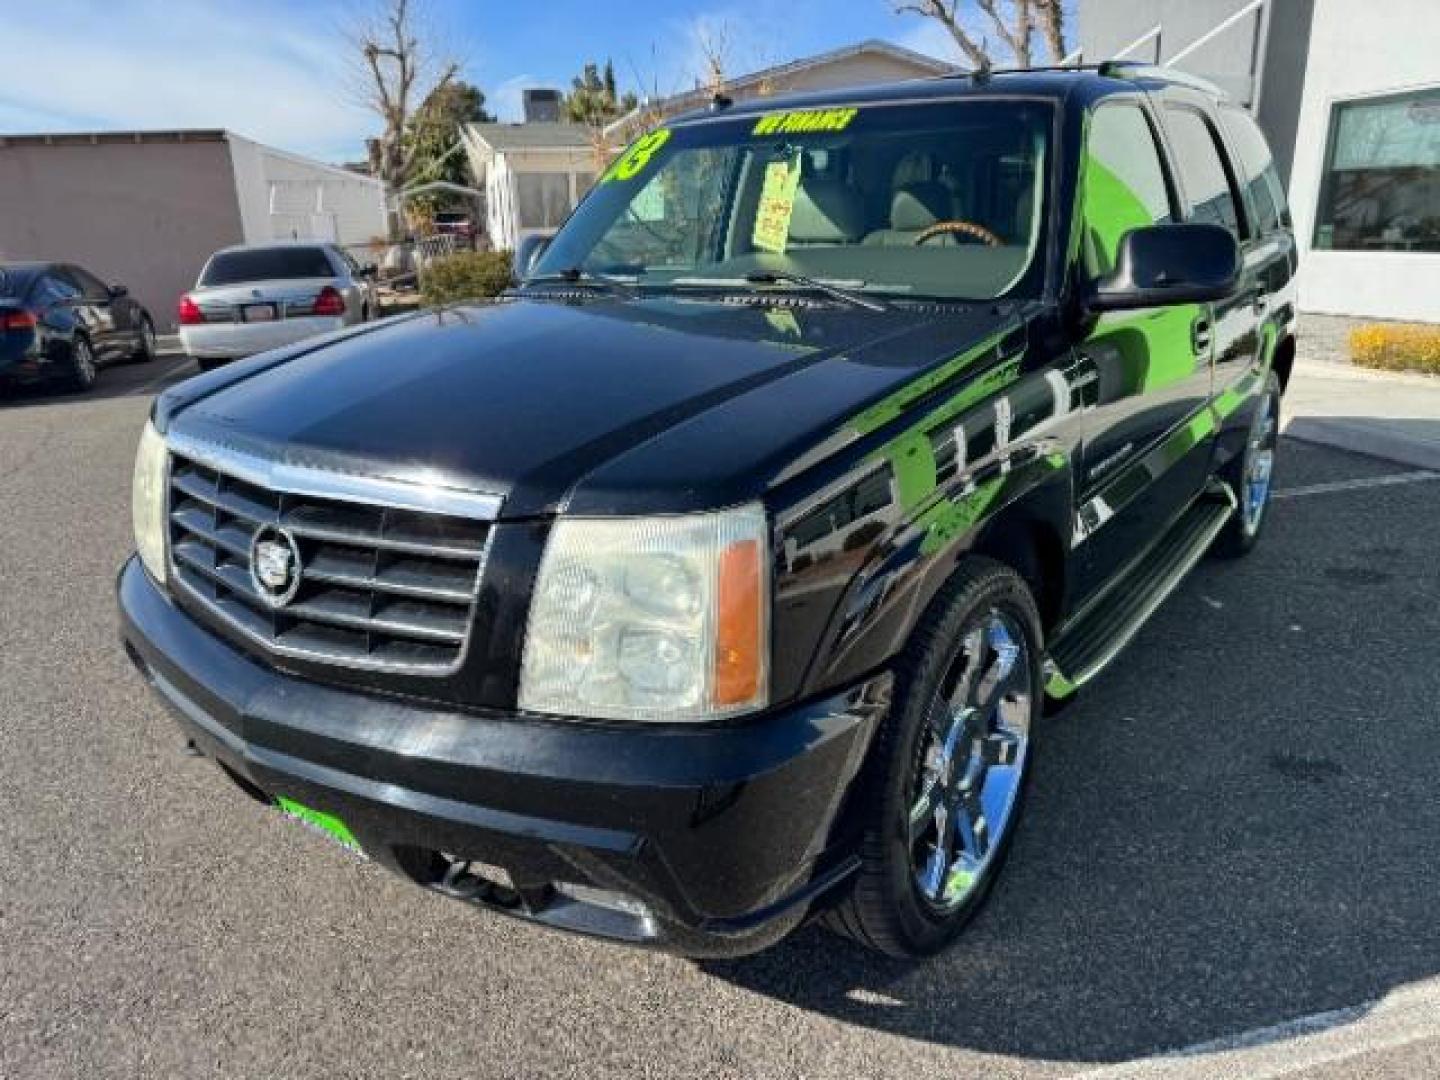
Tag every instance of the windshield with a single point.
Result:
(266, 264)
(942, 200)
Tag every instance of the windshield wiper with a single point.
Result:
(576, 275)
(833, 289)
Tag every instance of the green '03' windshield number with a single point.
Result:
(632, 163)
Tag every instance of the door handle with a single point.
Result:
(1200, 337)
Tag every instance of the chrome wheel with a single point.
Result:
(1259, 465)
(971, 763)
(84, 362)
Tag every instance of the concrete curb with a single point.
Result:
(1337, 371)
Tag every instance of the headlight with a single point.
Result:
(651, 618)
(147, 507)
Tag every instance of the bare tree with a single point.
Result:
(398, 71)
(714, 45)
(1051, 14)
(1013, 22)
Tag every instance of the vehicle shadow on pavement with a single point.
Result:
(1408, 440)
(115, 381)
(1234, 827)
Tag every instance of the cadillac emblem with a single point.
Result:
(275, 565)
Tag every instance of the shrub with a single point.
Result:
(1397, 347)
(470, 275)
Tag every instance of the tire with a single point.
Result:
(83, 370)
(946, 741)
(1250, 476)
(147, 350)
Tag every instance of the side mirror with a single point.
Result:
(528, 254)
(117, 291)
(1158, 265)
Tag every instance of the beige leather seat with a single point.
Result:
(913, 209)
(826, 211)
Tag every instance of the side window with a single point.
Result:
(90, 285)
(1202, 169)
(1263, 181)
(59, 286)
(54, 290)
(1125, 184)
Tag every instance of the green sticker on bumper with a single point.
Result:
(328, 824)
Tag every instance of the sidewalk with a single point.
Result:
(1394, 416)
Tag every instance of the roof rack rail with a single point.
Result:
(985, 73)
(1113, 69)
(1135, 69)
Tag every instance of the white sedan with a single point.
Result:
(261, 296)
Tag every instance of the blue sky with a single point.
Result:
(281, 72)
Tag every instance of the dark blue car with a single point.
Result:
(59, 322)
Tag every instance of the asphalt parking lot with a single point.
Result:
(1233, 840)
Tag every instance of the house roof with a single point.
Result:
(925, 65)
(97, 138)
(540, 135)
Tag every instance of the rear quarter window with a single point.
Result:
(1202, 169)
(1262, 179)
(266, 264)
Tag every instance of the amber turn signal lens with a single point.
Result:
(739, 663)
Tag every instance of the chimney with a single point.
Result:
(541, 104)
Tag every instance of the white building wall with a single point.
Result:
(1385, 48)
(500, 204)
(502, 200)
(284, 196)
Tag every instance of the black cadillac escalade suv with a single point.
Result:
(720, 572)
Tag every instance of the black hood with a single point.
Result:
(600, 406)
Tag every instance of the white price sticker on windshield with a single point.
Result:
(777, 204)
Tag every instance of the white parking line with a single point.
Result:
(1354, 485)
(1405, 1016)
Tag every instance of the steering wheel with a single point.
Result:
(961, 228)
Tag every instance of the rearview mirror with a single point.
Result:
(528, 254)
(1192, 263)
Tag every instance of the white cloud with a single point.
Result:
(277, 76)
(744, 39)
(929, 37)
(507, 101)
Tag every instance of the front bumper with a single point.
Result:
(223, 341)
(715, 838)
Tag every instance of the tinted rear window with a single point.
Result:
(266, 264)
(14, 284)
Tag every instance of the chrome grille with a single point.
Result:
(381, 587)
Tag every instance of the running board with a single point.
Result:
(1096, 635)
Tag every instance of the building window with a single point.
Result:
(1381, 187)
(544, 199)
